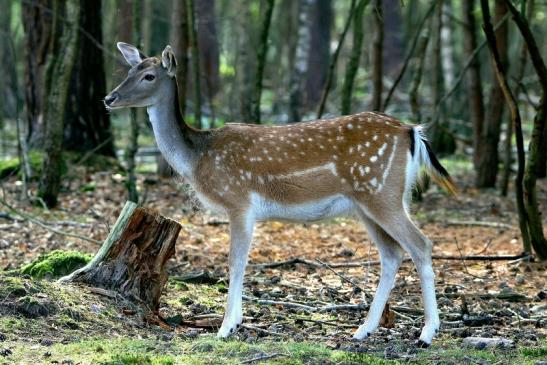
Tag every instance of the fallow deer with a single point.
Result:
(365, 163)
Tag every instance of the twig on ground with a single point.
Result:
(480, 224)
(348, 280)
(303, 307)
(480, 257)
(327, 323)
(263, 357)
(485, 248)
(338, 307)
(104, 292)
(45, 226)
(510, 297)
(337, 265)
(262, 330)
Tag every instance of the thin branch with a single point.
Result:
(348, 280)
(45, 226)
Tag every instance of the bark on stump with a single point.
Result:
(132, 259)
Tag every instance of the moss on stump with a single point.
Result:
(56, 264)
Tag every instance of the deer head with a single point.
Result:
(148, 79)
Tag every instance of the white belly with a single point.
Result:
(329, 207)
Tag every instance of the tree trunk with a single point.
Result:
(296, 93)
(500, 74)
(542, 156)
(447, 42)
(333, 60)
(519, 74)
(377, 58)
(261, 61)
(487, 166)
(418, 61)
(474, 85)
(190, 10)
(87, 125)
(37, 23)
(537, 238)
(65, 40)
(180, 43)
(132, 259)
(8, 95)
(441, 141)
(393, 41)
(321, 20)
(209, 53)
(355, 56)
(129, 31)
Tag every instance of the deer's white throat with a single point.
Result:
(169, 137)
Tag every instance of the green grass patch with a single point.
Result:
(206, 350)
(12, 166)
(56, 264)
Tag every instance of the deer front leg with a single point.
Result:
(241, 232)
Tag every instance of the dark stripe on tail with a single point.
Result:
(434, 162)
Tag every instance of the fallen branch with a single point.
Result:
(335, 324)
(348, 280)
(481, 257)
(305, 308)
(509, 296)
(263, 357)
(45, 226)
(338, 265)
(262, 330)
(479, 224)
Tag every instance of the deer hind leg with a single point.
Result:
(391, 255)
(241, 232)
(399, 226)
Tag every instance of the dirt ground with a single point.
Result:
(476, 298)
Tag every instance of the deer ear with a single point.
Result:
(131, 54)
(169, 61)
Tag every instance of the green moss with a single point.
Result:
(56, 264)
(13, 166)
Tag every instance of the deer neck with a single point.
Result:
(176, 140)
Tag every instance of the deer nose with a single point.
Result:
(109, 99)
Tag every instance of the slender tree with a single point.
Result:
(519, 74)
(180, 43)
(8, 96)
(474, 84)
(65, 40)
(87, 125)
(333, 61)
(355, 56)
(209, 53)
(261, 61)
(37, 19)
(195, 60)
(393, 39)
(500, 74)
(129, 32)
(538, 241)
(418, 62)
(322, 18)
(487, 165)
(296, 86)
(377, 55)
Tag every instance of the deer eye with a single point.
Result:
(149, 77)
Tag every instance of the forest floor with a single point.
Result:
(45, 322)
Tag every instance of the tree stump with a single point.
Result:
(132, 259)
